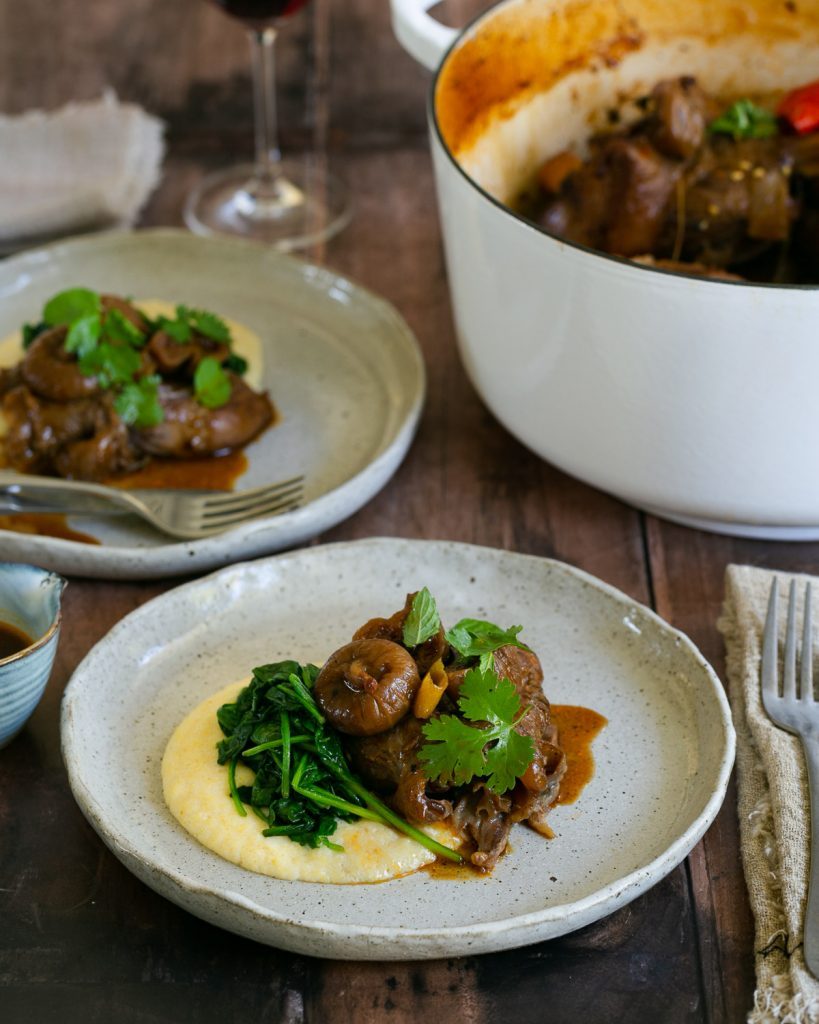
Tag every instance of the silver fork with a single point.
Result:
(183, 514)
(799, 714)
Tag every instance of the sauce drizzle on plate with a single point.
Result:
(45, 524)
(577, 727)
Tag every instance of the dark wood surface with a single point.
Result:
(80, 938)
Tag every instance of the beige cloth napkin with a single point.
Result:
(88, 165)
(774, 813)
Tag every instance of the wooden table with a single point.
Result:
(81, 939)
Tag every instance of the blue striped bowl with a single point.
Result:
(29, 600)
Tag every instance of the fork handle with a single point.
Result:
(27, 490)
(810, 938)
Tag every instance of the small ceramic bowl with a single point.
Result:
(30, 603)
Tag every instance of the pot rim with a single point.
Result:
(526, 223)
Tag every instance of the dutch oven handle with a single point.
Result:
(424, 38)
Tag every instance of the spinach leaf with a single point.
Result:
(32, 331)
(303, 785)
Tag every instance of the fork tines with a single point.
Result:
(237, 506)
(770, 668)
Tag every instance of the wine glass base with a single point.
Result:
(309, 206)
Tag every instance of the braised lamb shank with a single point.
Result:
(366, 690)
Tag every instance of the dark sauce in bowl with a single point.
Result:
(12, 640)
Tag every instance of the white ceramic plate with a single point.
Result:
(331, 350)
(663, 760)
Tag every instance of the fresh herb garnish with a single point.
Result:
(208, 324)
(474, 638)
(119, 328)
(188, 320)
(211, 385)
(422, 621)
(745, 120)
(83, 335)
(68, 306)
(111, 364)
(455, 753)
(303, 784)
(178, 329)
(138, 405)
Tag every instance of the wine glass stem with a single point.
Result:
(267, 183)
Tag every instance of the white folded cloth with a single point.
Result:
(85, 166)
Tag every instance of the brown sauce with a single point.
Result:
(447, 871)
(46, 524)
(218, 473)
(12, 640)
(577, 728)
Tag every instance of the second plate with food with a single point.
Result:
(662, 761)
(329, 349)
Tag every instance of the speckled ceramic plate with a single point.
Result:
(662, 761)
(330, 350)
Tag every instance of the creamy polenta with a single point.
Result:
(196, 792)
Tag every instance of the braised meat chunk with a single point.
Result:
(189, 428)
(102, 388)
(403, 683)
(728, 192)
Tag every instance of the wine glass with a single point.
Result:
(286, 203)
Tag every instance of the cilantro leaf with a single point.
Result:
(110, 364)
(455, 752)
(507, 760)
(745, 120)
(485, 697)
(138, 403)
(119, 328)
(211, 385)
(423, 620)
(209, 324)
(474, 638)
(188, 320)
(83, 335)
(70, 305)
(179, 330)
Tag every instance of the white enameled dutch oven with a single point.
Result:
(696, 399)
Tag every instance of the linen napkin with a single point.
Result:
(85, 166)
(773, 805)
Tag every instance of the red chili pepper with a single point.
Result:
(800, 108)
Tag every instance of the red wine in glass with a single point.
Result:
(259, 12)
(290, 203)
